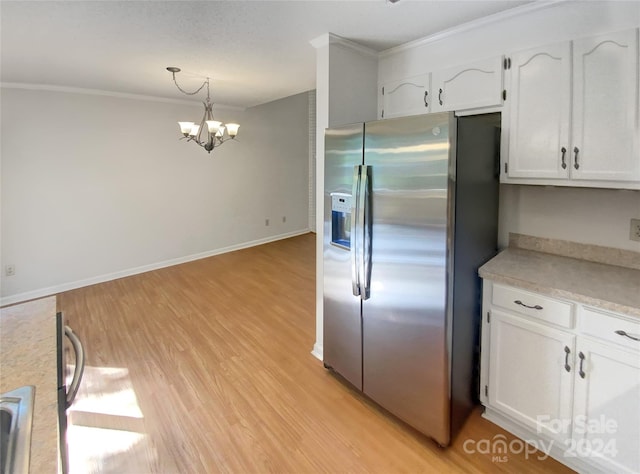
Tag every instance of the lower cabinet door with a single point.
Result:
(531, 376)
(607, 407)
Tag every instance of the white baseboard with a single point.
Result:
(52, 290)
(317, 351)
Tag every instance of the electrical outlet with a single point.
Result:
(10, 270)
(266, 222)
(634, 232)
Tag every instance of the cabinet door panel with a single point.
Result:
(406, 97)
(607, 407)
(605, 108)
(538, 109)
(469, 86)
(528, 380)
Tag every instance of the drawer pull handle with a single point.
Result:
(567, 351)
(527, 306)
(620, 332)
(581, 372)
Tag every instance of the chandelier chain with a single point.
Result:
(205, 83)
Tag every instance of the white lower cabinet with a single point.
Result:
(572, 388)
(530, 378)
(607, 406)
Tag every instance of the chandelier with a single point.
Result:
(216, 132)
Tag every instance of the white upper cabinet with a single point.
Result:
(470, 86)
(572, 114)
(536, 122)
(409, 96)
(605, 108)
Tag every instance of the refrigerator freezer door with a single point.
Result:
(342, 345)
(404, 325)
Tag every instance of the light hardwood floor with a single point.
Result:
(205, 367)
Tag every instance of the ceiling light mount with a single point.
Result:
(217, 132)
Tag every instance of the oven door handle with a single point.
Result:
(79, 367)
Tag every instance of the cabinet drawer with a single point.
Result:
(534, 305)
(610, 327)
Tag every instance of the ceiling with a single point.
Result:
(254, 51)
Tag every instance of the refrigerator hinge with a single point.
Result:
(486, 390)
(488, 316)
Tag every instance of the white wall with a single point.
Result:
(589, 216)
(95, 187)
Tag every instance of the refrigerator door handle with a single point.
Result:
(365, 211)
(355, 274)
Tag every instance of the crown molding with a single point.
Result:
(472, 25)
(330, 38)
(103, 93)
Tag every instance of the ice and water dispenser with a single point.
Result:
(341, 220)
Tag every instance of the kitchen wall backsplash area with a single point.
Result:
(585, 215)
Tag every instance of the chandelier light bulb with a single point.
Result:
(213, 126)
(232, 129)
(185, 127)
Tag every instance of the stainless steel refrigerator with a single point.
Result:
(411, 210)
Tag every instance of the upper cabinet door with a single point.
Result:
(605, 108)
(537, 112)
(470, 86)
(409, 96)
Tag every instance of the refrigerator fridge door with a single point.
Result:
(404, 325)
(342, 308)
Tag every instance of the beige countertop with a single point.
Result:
(28, 356)
(611, 287)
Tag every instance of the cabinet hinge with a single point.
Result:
(486, 390)
(504, 94)
(506, 167)
(488, 316)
